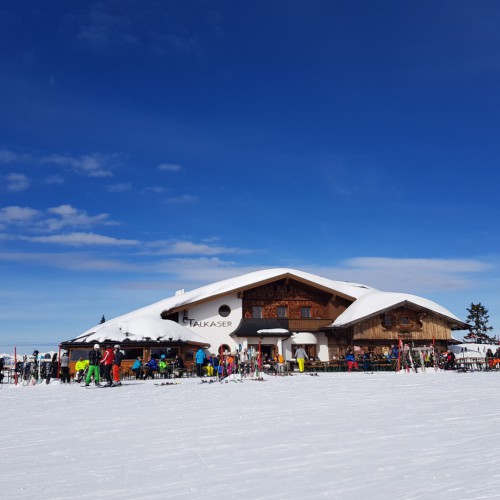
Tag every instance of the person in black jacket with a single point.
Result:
(94, 360)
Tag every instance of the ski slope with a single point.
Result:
(347, 436)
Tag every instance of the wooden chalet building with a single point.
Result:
(277, 310)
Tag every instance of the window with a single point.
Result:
(387, 320)
(403, 320)
(170, 352)
(282, 311)
(305, 312)
(257, 312)
(77, 353)
(224, 311)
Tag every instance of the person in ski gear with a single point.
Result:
(65, 368)
(367, 362)
(54, 367)
(2, 364)
(81, 367)
(394, 352)
(150, 368)
(200, 360)
(163, 366)
(117, 362)
(178, 365)
(136, 367)
(279, 363)
(301, 356)
(450, 361)
(351, 361)
(107, 364)
(94, 363)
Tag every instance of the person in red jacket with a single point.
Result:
(107, 363)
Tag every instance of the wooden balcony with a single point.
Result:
(308, 324)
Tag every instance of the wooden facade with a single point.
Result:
(411, 323)
(293, 296)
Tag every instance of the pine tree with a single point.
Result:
(478, 321)
(103, 320)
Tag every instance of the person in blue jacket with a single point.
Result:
(200, 360)
(352, 364)
(150, 368)
(136, 367)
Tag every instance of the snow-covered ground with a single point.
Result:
(347, 436)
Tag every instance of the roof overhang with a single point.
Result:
(453, 323)
(259, 328)
(127, 343)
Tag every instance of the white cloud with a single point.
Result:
(53, 219)
(120, 187)
(17, 182)
(17, 215)
(169, 167)
(81, 239)
(54, 179)
(185, 198)
(418, 276)
(190, 248)
(70, 216)
(154, 189)
(77, 261)
(94, 165)
(7, 156)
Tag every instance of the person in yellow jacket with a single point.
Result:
(279, 363)
(81, 367)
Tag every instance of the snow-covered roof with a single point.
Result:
(139, 327)
(147, 323)
(352, 290)
(376, 301)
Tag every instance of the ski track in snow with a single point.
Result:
(349, 436)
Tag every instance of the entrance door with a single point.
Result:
(268, 350)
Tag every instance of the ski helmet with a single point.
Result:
(96, 346)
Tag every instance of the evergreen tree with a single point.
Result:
(478, 321)
(103, 320)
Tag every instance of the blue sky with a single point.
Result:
(147, 146)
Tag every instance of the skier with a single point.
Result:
(200, 360)
(117, 362)
(351, 361)
(54, 366)
(2, 362)
(65, 368)
(107, 363)
(301, 356)
(94, 360)
(81, 367)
